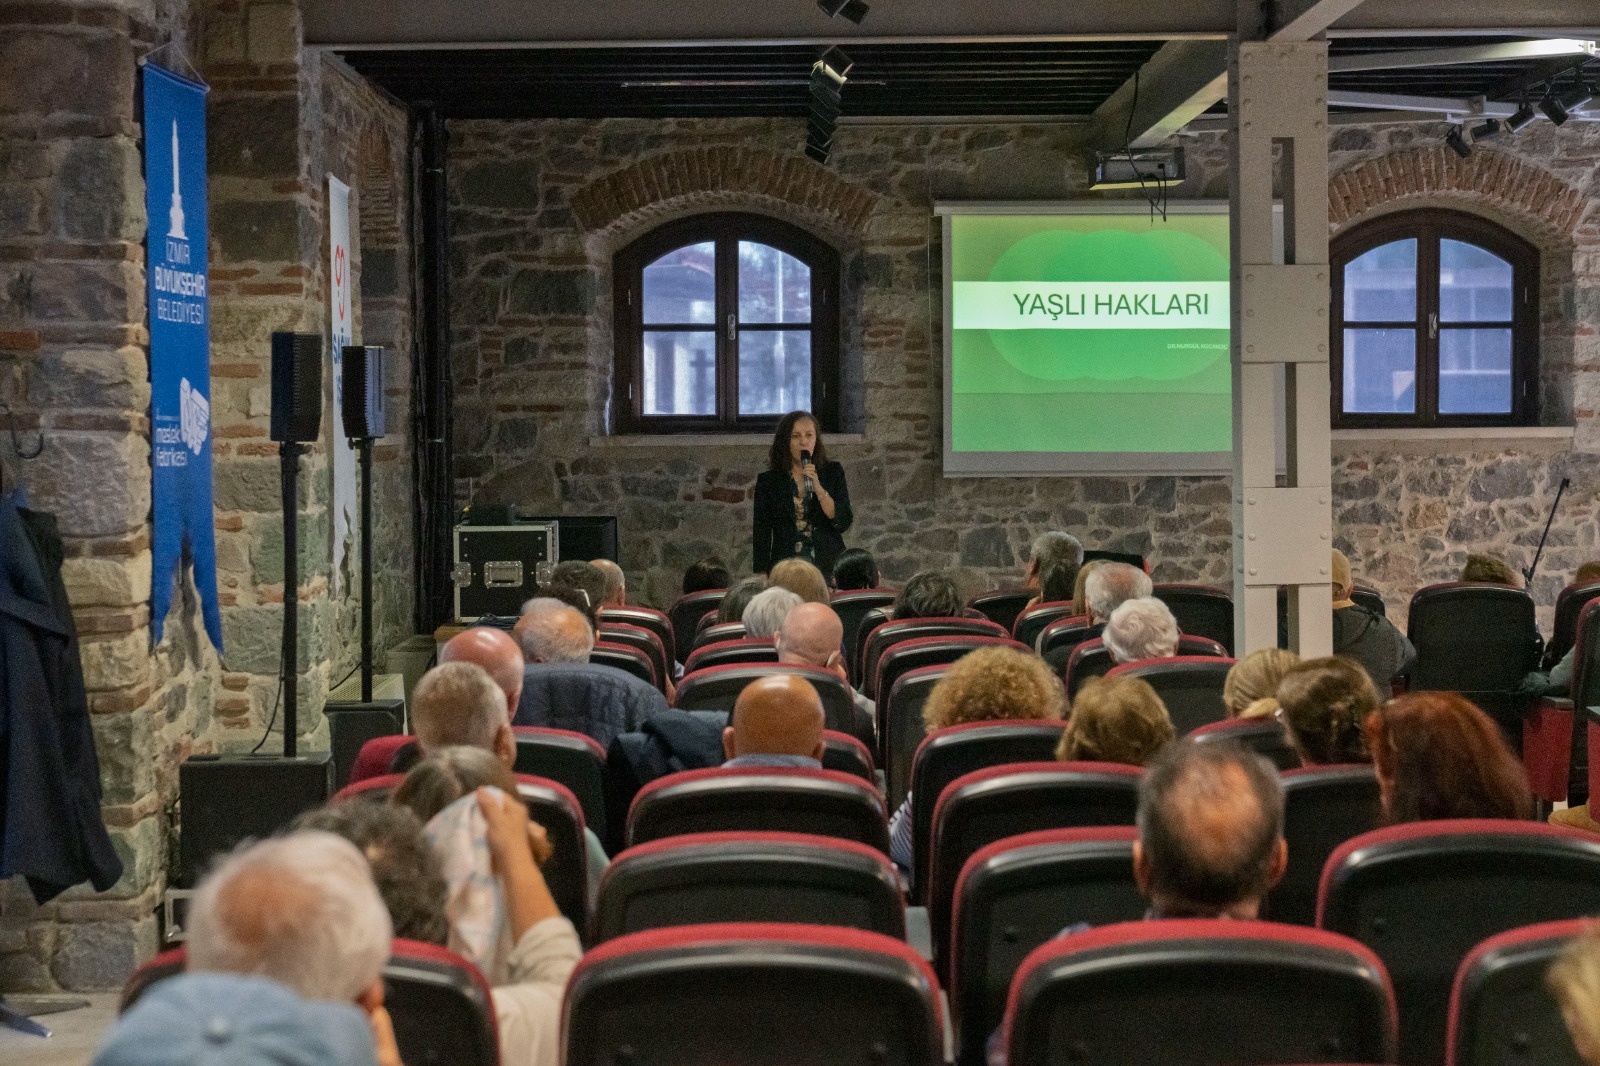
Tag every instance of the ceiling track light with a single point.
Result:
(1577, 98)
(1521, 117)
(854, 10)
(1552, 109)
(834, 63)
(1492, 128)
(1457, 143)
(819, 152)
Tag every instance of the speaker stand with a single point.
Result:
(289, 453)
(364, 447)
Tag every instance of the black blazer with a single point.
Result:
(774, 518)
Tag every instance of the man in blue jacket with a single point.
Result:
(562, 689)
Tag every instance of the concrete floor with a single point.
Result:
(77, 1035)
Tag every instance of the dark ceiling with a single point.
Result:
(888, 80)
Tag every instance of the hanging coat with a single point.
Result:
(51, 829)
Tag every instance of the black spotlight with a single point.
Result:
(835, 64)
(816, 151)
(1522, 116)
(1577, 98)
(1552, 109)
(854, 10)
(1491, 128)
(1458, 144)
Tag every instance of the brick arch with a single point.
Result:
(725, 176)
(1495, 178)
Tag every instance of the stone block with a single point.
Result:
(87, 75)
(101, 955)
(987, 546)
(108, 293)
(253, 635)
(99, 192)
(267, 556)
(69, 378)
(23, 971)
(249, 485)
(251, 136)
(551, 292)
(116, 662)
(272, 33)
(98, 484)
(107, 582)
(511, 184)
(380, 275)
(249, 231)
(21, 214)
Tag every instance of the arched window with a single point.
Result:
(1435, 323)
(725, 323)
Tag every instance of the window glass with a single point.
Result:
(1380, 371)
(1381, 285)
(1474, 285)
(774, 371)
(1474, 371)
(680, 372)
(680, 288)
(773, 286)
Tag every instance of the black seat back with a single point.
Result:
(574, 760)
(901, 728)
(1501, 1010)
(1201, 611)
(1031, 622)
(1472, 638)
(722, 799)
(1190, 686)
(1323, 806)
(1001, 606)
(685, 615)
(1264, 736)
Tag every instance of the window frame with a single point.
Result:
(1430, 226)
(726, 229)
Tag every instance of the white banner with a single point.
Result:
(341, 329)
(1090, 305)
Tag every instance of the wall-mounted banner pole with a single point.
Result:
(180, 343)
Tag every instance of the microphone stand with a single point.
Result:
(1527, 574)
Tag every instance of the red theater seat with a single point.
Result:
(1002, 606)
(1478, 640)
(1190, 686)
(1500, 1009)
(1199, 992)
(749, 877)
(852, 607)
(1201, 611)
(848, 755)
(1091, 658)
(1548, 739)
(1032, 621)
(717, 688)
(625, 658)
(717, 632)
(901, 727)
(649, 618)
(856, 650)
(440, 1005)
(575, 760)
(952, 753)
(1067, 633)
(642, 641)
(723, 799)
(906, 655)
(1264, 736)
(1323, 806)
(982, 807)
(1424, 895)
(685, 615)
(730, 653)
(1021, 892)
(375, 757)
(890, 633)
(1570, 603)
(803, 995)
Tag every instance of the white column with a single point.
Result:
(1277, 104)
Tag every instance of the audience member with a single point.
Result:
(616, 583)
(1080, 592)
(1558, 682)
(1057, 582)
(1210, 832)
(1113, 584)
(1574, 983)
(587, 580)
(707, 574)
(1117, 719)
(777, 721)
(1251, 687)
(1052, 548)
(764, 614)
(404, 869)
(989, 684)
(1489, 570)
(202, 1019)
(562, 689)
(1368, 638)
(1324, 703)
(856, 569)
(1438, 756)
(495, 651)
(731, 609)
(502, 915)
(299, 909)
(459, 703)
(1141, 629)
(810, 636)
(801, 577)
(930, 594)
(1588, 573)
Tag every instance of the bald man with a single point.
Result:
(459, 704)
(1210, 832)
(810, 636)
(495, 651)
(562, 689)
(616, 583)
(777, 722)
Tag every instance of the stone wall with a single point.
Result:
(538, 208)
(74, 365)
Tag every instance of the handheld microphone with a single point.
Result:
(805, 461)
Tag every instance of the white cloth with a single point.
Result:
(527, 1006)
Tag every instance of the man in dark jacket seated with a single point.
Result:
(562, 689)
(1370, 639)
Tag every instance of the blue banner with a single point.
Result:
(180, 343)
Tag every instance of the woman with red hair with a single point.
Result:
(1438, 756)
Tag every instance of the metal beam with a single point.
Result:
(1177, 84)
(1449, 57)
(1301, 20)
(1444, 106)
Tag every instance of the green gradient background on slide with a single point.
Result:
(1090, 390)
